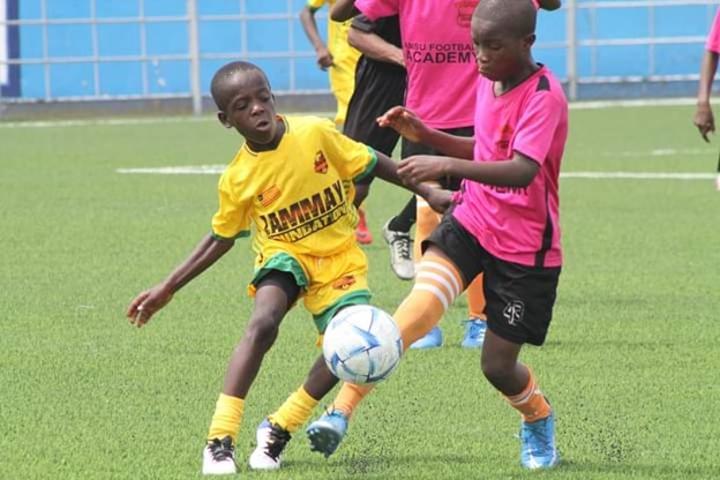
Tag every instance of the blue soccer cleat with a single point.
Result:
(537, 450)
(474, 333)
(432, 339)
(327, 432)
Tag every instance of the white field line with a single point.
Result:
(582, 105)
(218, 169)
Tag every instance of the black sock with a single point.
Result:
(404, 220)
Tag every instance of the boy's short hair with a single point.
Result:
(518, 17)
(225, 73)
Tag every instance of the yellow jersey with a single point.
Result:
(298, 196)
(345, 58)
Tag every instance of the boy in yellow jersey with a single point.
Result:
(338, 57)
(293, 180)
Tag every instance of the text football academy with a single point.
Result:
(307, 216)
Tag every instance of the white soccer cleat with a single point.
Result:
(400, 252)
(219, 457)
(271, 441)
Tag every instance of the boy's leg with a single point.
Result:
(396, 233)
(274, 432)
(275, 294)
(437, 284)
(520, 301)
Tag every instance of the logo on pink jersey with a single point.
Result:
(465, 10)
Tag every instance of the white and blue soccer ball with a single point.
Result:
(362, 344)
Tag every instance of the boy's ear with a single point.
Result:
(529, 40)
(223, 119)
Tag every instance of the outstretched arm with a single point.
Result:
(704, 119)
(409, 125)
(307, 19)
(147, 303)
(343, 10)
(373, 46)
(519, 171)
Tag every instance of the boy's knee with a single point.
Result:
(262, 331)
(496, 369)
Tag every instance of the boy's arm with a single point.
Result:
(307, 19)
(147, 303)
(519, 171)
(373, 46)
(704, 120)
(343, 10)
(409, 125)
(387, 169)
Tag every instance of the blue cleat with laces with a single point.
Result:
(537, 439)
(433, 339)
(474, 333)
(327, 432)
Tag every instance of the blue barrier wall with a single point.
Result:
(277, 43)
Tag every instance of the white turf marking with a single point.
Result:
(581, 105)
(218, 169)
(661, 152)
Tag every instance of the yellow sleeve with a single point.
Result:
(316, 4)
(354, 160)
(232, 219)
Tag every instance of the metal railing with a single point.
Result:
(194, 53)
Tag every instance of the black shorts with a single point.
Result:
(376, 91)
(410, 148)
(519, 299)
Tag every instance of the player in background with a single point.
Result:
(704, 119)
(340, 60)
(304, 220)
(380, 81)
(504, 222)
(439, 62)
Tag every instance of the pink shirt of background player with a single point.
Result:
(713, 40)
(439, 57)
(519, 225)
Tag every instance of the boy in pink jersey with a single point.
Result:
(704, 119)
(504, 222)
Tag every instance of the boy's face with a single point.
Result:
(499, 55)
(249, 107)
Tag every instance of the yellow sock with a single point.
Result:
(295, 411)
(227, 417)
(476, 299)
(531, 403)
(437, 283)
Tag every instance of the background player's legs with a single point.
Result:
(275, 294)
(475, 325)
(397, 235)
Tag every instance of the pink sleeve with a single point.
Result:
(536, 3)
(374, 9)
(713, 40)
(536, 126)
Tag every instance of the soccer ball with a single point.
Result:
(362, 344)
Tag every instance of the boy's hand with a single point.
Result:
(147, 303)
(439, 199)
(324, 58)
(421, 168)
(704, 120)
(405, 122)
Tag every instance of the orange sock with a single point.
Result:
(531, 403)
(426, 221)
(437, 284)
(476, 299)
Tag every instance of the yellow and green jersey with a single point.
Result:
(298, 196)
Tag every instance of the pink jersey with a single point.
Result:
(439, 57)
(515, 224)
(713, 40)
